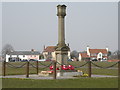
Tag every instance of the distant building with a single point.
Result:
(83, 56)
(49, 53)
(22, 55)
(1, 58)
(94, 54)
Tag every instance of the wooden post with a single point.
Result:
(27, 70)
(119, 75)
(119, 70)
(89, 68)
(4, 68)
(54, 69)
(37, 66)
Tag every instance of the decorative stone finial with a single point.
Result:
(61, 10)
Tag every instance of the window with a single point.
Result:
(95, 54)
(100, 55)
(49, 53)
(105, 54)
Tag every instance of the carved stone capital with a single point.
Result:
(61, 10)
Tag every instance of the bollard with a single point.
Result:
(4, 68)
(27, 70)
(37, 67)
(54, 70)
(89, 68)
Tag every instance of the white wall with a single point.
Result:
(21, 57)
(7, 56)
(88, 52)
(99, 55)
(53, 56)
(45, 54)
(69, 55)
(80, 58)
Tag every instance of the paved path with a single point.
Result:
(34, 77)
(38, 77)
(103, 76)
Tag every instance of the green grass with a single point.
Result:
(103, 64)
(98, 71)
(62, 83)
(22, 71)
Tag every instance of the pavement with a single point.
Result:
(48, 77)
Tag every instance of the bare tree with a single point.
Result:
(6, 49)
(74, 54)
(115, 55)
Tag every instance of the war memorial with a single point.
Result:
(60, 66)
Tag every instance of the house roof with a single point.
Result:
(24, 53)
(104, 51)
(84, 55)
(49, 49)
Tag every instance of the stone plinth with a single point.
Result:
(69, 74)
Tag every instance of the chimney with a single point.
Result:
(88, 47)
(107, 49)
(32, 50)
(88, 53)
(44, 47)
(68, 44)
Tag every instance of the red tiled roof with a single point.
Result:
(49, 49)
(104, 51)
(84, 55)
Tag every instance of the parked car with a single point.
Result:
(25, 60)
(41, 60)
(48, 60)
(32, 60)
(11, 60)
(94, 60)
(70, 60)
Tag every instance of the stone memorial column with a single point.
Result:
(61, 49)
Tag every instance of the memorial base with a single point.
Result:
(68, 73)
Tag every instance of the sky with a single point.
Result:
(0, 26)
(31, 25)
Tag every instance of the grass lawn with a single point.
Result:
(62, 83)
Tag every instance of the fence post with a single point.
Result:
(27, 70)
(37, 66)
(4, 68)
(119, 70)
(89, 68)
(54, 69)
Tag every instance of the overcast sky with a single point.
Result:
(33, 25)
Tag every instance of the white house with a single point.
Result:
(92, 54)
(22, 55)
